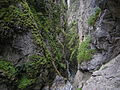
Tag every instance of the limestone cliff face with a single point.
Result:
(104, 30)
(106, 78)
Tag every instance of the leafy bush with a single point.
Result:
(84, 53)
(24, 82)
(92, 19)
(9, 70)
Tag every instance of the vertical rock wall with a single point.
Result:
(79, 11)
(105, 35)
(105, 38)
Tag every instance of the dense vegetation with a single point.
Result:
(56, 42)
(84, 51)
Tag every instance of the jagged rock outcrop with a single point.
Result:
(105, 34)
(107, 78)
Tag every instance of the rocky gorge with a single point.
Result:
(59, 45)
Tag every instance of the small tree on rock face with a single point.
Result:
(84, 53)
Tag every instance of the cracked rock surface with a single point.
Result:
(107, 78)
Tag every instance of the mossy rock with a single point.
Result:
(15, 20)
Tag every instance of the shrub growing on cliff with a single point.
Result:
(92, 19)
(84, 53)
(72, 42)
(25, 82)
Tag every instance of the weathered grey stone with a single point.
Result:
(107, 78)
(61, 84)
(80, 79)
(19, 49)
(105, 33)
(95, 63)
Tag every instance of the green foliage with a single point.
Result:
(28, 71)
(79, 88)
(16, 19)
(84, 53)
(9, 70)
(13, 19)
(24, 82)
(37, 58)
(72, 40)
(92, 19)
(12, 73)
(32, 67)
(46, 29)
(50, 28)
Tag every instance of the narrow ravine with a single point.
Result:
(59, 44)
